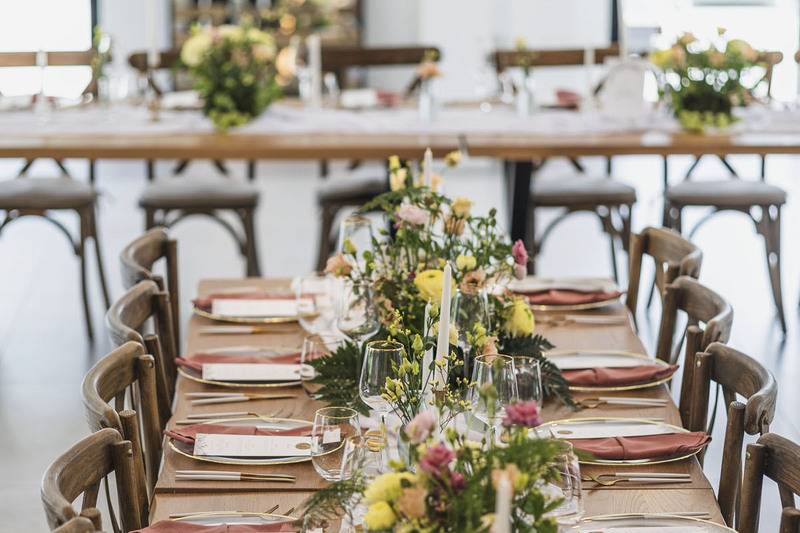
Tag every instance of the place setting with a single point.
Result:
(611, 370)
(562, 295)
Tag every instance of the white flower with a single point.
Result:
(195, 48)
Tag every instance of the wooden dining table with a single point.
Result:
(171, 496)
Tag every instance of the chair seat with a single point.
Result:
(351, 190)
(45, 193)
(581, 190)
(199, 194)
(726, 193)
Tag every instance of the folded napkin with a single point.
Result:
(569, 297)
(173, 526)
(618, 377)
(196, 361)
(205, 302)
(187, 434)
(643, 447)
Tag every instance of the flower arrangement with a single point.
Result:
(404, 271)
(233, 68)
(706, 81)
(453, 483)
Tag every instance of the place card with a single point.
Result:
(602, 429)
(251, 446)
(262, 307)
(581, 360)
(251, 372)
(534, 284)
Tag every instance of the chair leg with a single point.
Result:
(253, 268)
(770, 228)
(99, 255)
(325, 228)
(85, 229)
(149, 218)
(536, 247)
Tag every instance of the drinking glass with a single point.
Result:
(319, 290)
(570, 511)
(357, 317)
(333, 427)
(492, 372)
(315, 347)
(467, 310)
(529, 378)
(355, 237)
(381, 360)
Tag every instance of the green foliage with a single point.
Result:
(333, 502)
(338, 375)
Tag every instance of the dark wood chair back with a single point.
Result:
(69, 58)
(777, 458)
(505, 59)
(137, 260)
(749, 391)
(167, 60)
(672, 254)
(127, 377)
(338, 59)
(127, 320)
(81, 470)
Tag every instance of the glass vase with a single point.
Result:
(469, 309)
(427, 101)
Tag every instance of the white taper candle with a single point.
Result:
(443, 341)
(314, 44)
(502, 506)
(427, 167)
(151, 22)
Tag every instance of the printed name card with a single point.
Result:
(604, 429)
(581, 360)
(251, 446)
(262, 308)
(251, 372)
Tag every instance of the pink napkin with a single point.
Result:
(569, 297)
(187, 434)
(172, 526)
(196, 361)
(618, 377)
(643, 447)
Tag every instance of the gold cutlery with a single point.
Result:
(591, 403)
(199, 418)
(246, 330)
(639, 477)
(210, 398)
(269, 512)
(587, 320)
(686, 514)
(220, 475)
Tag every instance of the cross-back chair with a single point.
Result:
(127, 377)
(749, 392)
(778, 459)
(145, 307)
(139, 257)
(81, 470)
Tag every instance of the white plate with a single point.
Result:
(645, 523)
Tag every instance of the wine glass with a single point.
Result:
(314, 293)
(529, 378)
(355, 237)
(468, 309)
(381, 361)
(357, 318)
(315, 347)
(494, 387)
(333, 427)
(568, 484)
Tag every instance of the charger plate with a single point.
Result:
(624, 358)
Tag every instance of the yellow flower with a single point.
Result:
(411, 502)
(452, 158)
(436, 181)
(520, 43)
(394, 162)
(230, 31)
(687, 38)
(195, 48)
(661, 58)
(397, 179)
(429, 284)
(466, 262)
(348, 247)
(519, 321)
(379, 516)
(387, 487)
(461, 206)
(452, 335)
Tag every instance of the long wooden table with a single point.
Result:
(172, 496)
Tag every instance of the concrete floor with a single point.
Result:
(44, 352)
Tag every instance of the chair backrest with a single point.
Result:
(128, 373)
(167, 59)
(62, 58)
(126, 320)
(504, 59)
(770, 58)
(339, 59)
(137, 260)
(740, 377)
(79, 524)
(777, 458)
(81, 470)
(672, 254)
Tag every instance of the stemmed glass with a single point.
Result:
(355, 236)
(381, 361)
(468, 309)
(315, 347)
(570, 511)
(529, 378)
(319, 290)
(333, 427)
(357, 318)
(494, 387)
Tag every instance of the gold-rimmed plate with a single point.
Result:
(601, 427)
(534, 284)
(187, 450)
(652, 521)
(584, 359)
(251, 320)
(575, 307)
(218, 518)
(190, 374)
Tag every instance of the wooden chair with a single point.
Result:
(337, 195)
(128, 372)
(739, 376)
(26, 196)
(137, 260)
(672, 254)
(80, 471)
(79, 524)
(777, 458)
(128, 319)
(168, 201)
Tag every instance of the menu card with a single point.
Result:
(251, 372)
(252, 446)
(262, 307)
(581, 360)
(602, 429)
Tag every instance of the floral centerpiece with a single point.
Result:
(454, 484)
(233, 68)
(704, 82)
(403, 273)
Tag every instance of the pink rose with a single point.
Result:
(412, 214)
(520, 253)
(421, 427)
(436, 459)
(524, 414)
(457, 481)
